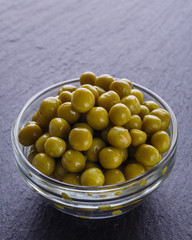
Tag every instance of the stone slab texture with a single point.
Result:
(45, 42)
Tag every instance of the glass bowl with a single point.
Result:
(91, 202)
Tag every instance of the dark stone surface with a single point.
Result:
(44, 42)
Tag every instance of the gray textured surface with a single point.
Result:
(44, 42)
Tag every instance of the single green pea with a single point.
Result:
(80, 139)
(29, 134)
(104, 81)
(161, 141)
(98, 118)
(67, 87)
(132, 103)
(144, 111)
(119, 137)
(87, 78)
(59, 127)
(110, 158)
(133, 170)
(92, 177)
(73, 161)
(122, 88)
(119, 114)
(82, 100)
(48, 107)
(147, 155)
(138, 94)
(65, 96)
(108, 99)
(44, 163)
(151, 105)
(114, 176)
(135, 122)
(66, 112)
(39, 144)
(138, 137)
(151, 124)
(55, 147)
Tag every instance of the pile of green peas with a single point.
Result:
(101, 133)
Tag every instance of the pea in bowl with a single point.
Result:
(87, 201)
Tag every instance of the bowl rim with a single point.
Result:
(16, 145)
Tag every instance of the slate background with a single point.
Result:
(44, 42)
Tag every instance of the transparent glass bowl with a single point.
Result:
(91, 202)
